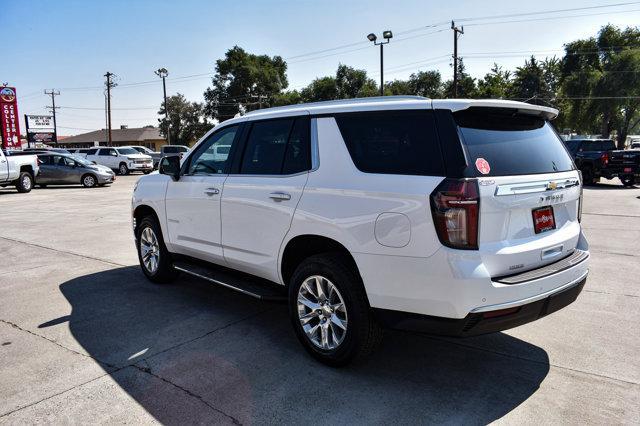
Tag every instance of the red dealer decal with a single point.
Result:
(483, 166)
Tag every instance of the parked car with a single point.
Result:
(635, 145)
(165, 150)
(18, 169)
(122, 159)
(38, 150)
(455, 217)
(599, 158)
(61, 169)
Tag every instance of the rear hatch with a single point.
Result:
(528, 189)
(625, 161)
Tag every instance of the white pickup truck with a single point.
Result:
(18, 170)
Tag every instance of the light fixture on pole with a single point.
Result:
(163, 73)
(387, 35)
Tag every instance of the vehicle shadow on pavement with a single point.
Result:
(191, 352)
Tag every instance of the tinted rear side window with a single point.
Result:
(511, 144)
(393, 142)
(265, 149)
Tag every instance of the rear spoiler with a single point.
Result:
(454, 105)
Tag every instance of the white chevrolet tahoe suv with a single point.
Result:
(453, 217)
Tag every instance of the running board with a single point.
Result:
(243, 283)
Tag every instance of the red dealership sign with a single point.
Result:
(9, 118)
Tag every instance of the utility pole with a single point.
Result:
(456, 32)
(163, 73)
(53, 93)
(109, 85)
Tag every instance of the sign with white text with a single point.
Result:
(9, 118)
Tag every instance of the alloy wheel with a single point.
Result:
(89, 181)
(149, 250)
(26, 182)
(322, 312)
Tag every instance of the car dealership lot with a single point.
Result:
(86, 338)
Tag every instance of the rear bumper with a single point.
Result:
(141, 167)
(485, 322)
(456, 283)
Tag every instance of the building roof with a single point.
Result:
(137, 134)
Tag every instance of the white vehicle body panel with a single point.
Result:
(10, 166)
(384, 221)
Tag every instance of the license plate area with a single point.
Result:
(543, 219)
(627, 169)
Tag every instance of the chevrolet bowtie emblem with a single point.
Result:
(552, 185)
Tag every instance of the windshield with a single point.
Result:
(81, 160)
(174, 149)
(127, 151)
(500, 142)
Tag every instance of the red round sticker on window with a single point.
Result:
(483, 166)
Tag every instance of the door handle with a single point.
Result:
(280, 196)
(212, 191)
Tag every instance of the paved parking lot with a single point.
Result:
(86, 339)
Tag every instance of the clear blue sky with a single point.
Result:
(69, 45)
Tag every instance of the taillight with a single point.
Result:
(455, 205)
(604, 158)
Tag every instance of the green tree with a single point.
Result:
(599, 80)
(244, 82)
(496, 84)
(466, 84)
(353, 83)
(426, 83)
(320, 89)
(397, 87)
(186, 119)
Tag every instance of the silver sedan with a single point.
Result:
(61, 169)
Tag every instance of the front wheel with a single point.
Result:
(628, 180)
(123, 169)
(25, 182)
(329, 310)
(89, 181)
(154, 258)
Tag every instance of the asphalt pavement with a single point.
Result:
(85, 338)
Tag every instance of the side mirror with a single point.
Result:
(170, 166)
(115, 154)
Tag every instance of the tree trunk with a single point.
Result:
(605, 129)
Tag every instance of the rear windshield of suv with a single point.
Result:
(499, 142)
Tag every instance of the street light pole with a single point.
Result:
(163, 73)
(387, 35)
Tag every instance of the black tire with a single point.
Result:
(587, 176)
(123, 169)
(363, 334)
(164, 272)
(628, 180)
(24, 183)
(89, 180)
(146, 172)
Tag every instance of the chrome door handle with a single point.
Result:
(280, 196)
(212, 191)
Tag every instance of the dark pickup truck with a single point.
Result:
(599, 158)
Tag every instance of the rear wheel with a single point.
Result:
(89, 181)
(25, 182)
(155, 260)
(123, 169)
(628, 180)
(587, 176)
(329, 310)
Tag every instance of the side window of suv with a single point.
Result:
(91, 151)
(106, 151)
(212, 156)
(393, 142)
(277, 147)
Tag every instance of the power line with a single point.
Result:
(549, 18)
(512, 15)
